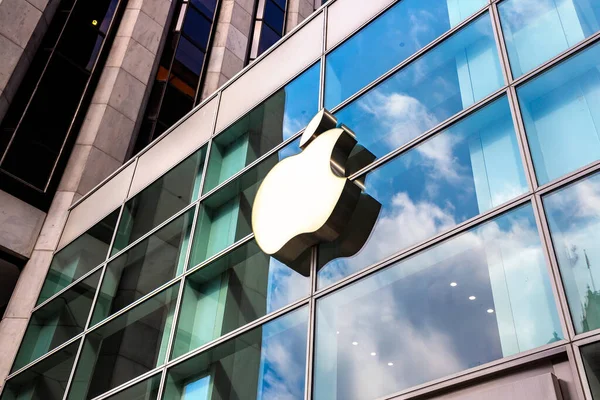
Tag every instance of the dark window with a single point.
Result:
(273, 16)
(183, 61)
(50, 103)
(270, 23)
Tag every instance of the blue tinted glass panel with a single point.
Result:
(197, 28)
(469, 168)
(561, 112)
(281, 3)
(452, 76)
(397, 34)
(268, 37)
(471, 300)
(274, 16)
(190, 56)
(536, 31)
(206, 6)
(574, 219)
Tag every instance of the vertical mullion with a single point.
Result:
(311, 325)
(213, 28)
(323, 60)
(577, 367)
(501, 44)
(72, 374)
(522, 139)
(554, 270)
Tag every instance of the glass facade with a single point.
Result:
(473, 299)
(484, 251)
(452, 76)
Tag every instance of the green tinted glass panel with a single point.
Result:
(268, 362)
(225, 216)
(271, 123)
(145, 267)
(161, 200)
(79, 257)
(591, 363)
(58, 321)
(145, 390)
(45, 380)
(126, 347)
(237, 288)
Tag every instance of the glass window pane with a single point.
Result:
(234, 290)
(277, 119)
(188, 62)
(45, 380)
(470, 300)
(145, 390)
(161, 200)
(197, 28)
(561, 112)
(145, 267)
(225, 216)
(178, 100)
(273, 16)
(206, 6)
(397, 34)
(126, 347)
(574, 218)
(536, 31)
(268, 362)
(469, 168)
(79, 257)
(449, 78)
(268, 37)
(57, 322)
(591, 362)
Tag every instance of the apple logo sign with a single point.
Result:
(308, 199)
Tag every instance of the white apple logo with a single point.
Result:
(307, 199)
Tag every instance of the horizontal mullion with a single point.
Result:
(408, 60)
(68, 287)
(426, 244)
(152, 231)
(48, 354)
(582, 45)
(131, 306)
(430, 133)
(252, 164)
(240, 331)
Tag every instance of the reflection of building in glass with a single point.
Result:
(134, 138)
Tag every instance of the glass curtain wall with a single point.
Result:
(485, 246)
